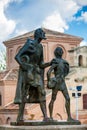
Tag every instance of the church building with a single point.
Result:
(73, 53)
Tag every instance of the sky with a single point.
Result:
(20, 16)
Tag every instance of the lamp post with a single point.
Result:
(76, 94)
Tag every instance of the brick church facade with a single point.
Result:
(8, 79)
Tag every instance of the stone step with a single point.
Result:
(48, 127)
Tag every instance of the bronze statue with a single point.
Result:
(30, 86)
(57, 83)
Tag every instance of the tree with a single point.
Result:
(2, 60)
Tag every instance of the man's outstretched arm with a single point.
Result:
(50, 70)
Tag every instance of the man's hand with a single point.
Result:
(23, 66)
(53, 61)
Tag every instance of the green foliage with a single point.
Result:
(2, 60)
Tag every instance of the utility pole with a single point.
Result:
(76, 95)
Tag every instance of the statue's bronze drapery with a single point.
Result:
(30, 86)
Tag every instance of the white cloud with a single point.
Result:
(83, 17)
(67, 8)
(6, 2)
(20, 32)
(7, 26)
(81, 2)
(55, 22)
(64, 13)
(83, 43)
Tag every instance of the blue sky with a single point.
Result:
(21, 16)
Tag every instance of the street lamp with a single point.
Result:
(76, 94)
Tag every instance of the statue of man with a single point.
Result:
(30, 87)
(57, 83)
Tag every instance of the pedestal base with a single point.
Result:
(47, 127)
(40, 123)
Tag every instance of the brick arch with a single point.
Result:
(85, 101)
(80, 60)
(11, 55)
(18, 48)
(64, 50)
(8, 120)
(1, 121)
(0, 99)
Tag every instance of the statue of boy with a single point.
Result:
(57, 83)
(30, 87)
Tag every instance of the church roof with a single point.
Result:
(48, 33)
(83, 48)
(9, 75)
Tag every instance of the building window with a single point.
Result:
(0, 121)
(8, 120)
(44, 51)
(85, 101)
(0, 100)
(17, 50)
(64, 50)
(80, 60)
(11, 55)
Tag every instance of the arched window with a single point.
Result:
(0, 121)
(11, 55)
(64, 50)
(0, 99)
(84, 101)
(8, 120)
(80, 60)
(17, 50)
(44, 51)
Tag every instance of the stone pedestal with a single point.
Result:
(44, 123)
(47, 127)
